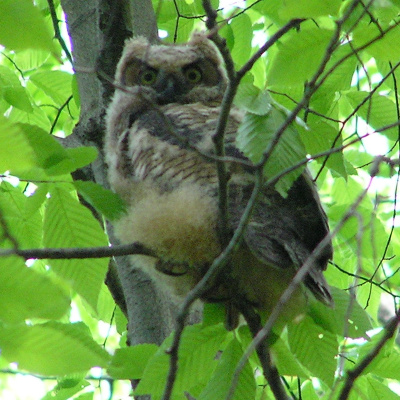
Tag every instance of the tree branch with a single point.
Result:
(144, 21)
(353, 374)
(270, 372)
(79, 252)
(312, 86)
(264, 333)
(57, 32)
(215, 270)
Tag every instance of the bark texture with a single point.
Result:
(98, 30)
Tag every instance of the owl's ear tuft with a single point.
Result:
(138, 46)
(209, 50)
(201, 41)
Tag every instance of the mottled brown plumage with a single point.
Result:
(170, 107)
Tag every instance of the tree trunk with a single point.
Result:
(98, 30)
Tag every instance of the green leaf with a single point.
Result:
(373, 233)
(315, 348)
(56, 84)
(37, 117)
(378, 390)
(220, 382)
(66, 389)
(242, 32)
(346, 62)
(52, 348)
(80, 156)
(23, 222)
(308, 391)
(17, 17)
(387, 366)
(105, 201)
(365, 349)
(49, 153)
(253, 100)
(121, 321)
(213, 313)
(385, 48)
(255, 134)
(16, 154)
(197, 352)
(355, 322)
(12, 90)
(320, 137)
(30, 59)
(75, 91)
(19, 295)
(309, 9)
(69, 160)
(286, 361)
(272, 10)
(69, 224)
(30, 148)
(298, 56)
(378, 111)
(130, 362)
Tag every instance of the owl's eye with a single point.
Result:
(193, 74)
(148, 77)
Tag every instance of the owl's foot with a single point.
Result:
(172, 268)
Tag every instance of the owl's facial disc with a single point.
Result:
(174, 83)
(170, 87)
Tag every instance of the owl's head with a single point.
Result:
(183, 73)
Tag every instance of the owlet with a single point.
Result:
(160, 124)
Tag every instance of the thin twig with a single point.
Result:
(264, 333)
(295, 23)
(78, 252)
(353, 374)
(365, 280)
(59, 110)
(311, 87)
(219, 135)
(57, 32)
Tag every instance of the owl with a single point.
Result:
(159, 131)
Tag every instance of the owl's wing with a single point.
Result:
(283, 232)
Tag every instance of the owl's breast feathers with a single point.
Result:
(174, 203)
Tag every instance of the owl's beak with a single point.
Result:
(168, 87)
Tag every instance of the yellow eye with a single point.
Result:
(193, 74)
(148, 77)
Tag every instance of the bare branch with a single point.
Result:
(219, 135)
(79, 252)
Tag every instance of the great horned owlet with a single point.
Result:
(159, 124)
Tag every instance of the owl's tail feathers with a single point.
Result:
(319, 287)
